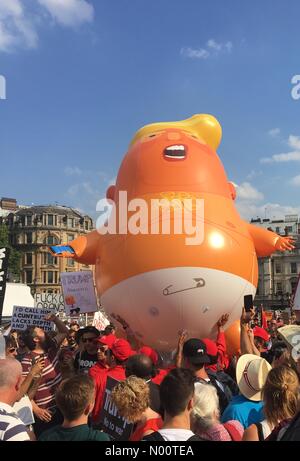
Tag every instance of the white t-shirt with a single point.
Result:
(23, 408)
(176, 435)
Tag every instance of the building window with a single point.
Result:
(29, 220)
(278, 268)
(70, 262)
(293, 268)
(28, 276)
(28, 258)
(70, 238)
(28, 237)
(70, 222)
(277, 230)
(279, 288)
(294, 283)
(50, 220)
(51, 240)
(86, 225)
(49, 259)
(51, 277)
(289, 229)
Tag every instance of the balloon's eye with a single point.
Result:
(195, 137)
(152, 135)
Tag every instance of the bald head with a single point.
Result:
(141, 366)
(10, 373)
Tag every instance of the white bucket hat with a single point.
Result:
(251, 375)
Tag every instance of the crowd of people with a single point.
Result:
(52, 385)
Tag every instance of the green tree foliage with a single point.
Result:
(15, 256)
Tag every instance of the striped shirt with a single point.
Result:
(11, 427)
(51, 377)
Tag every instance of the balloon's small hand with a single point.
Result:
(285, 243)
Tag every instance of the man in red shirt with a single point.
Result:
(119, 352)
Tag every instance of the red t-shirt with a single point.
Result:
(161, 375)
(100, 377)
(151, 425)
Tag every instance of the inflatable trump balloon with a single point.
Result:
(174, 253)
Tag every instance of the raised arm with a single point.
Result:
(83, 249)
(266, 242)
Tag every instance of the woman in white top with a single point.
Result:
(281, 400)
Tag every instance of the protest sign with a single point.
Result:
(24, 317)
(79, 292)
(113, 423)
(4, 257)
(100, 321)
(51, 301)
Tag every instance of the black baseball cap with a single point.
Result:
(195, 350)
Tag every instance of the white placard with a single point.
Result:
(49, 301)
(100, 321)
(79, 292)
(24, 317)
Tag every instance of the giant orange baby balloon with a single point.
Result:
(157, 282)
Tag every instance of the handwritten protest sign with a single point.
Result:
(79, 292)
(114, 424)
(100, 321)
(50, 301)
(24, 317)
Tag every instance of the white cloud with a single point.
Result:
(69, 12)
(269, 210)
(212, 49)
(293, 156)
(254, 174)
(295, 181)
(192, 53)
(19, 20)
(16, 27)
(274, 132)
(246, 191)
(72, 171)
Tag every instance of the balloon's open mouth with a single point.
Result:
(176, 152)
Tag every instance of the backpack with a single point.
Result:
(157, 437)
(292, 433)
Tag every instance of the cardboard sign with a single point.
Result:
(114, 424)
(79, 292)
(51, 301)
(24, 317)
(4, 257)
(100, 321)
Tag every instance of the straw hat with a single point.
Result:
(251, 375)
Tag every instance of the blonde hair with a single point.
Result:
(132, 398)
(281, 394)
(206, 407)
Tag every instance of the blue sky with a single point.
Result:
(83, 75)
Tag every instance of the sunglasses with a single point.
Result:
(102, 348)
(88, 340)
(12, 349)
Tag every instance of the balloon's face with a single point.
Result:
(172, 159)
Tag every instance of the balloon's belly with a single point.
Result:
(157, 304)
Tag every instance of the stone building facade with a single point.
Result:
(32, 230)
